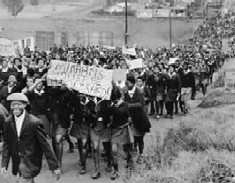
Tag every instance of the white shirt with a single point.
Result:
(5, 69)
(19, 122)
(131, 92)
(10, 88)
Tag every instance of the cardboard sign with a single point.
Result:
(144, 13)
(89, 80)
(136, 64)
(128, 51)
(119, 75)
(6, 47)
(172, 61)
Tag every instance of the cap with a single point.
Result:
(18, 97)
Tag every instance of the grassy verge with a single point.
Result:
(200, 149)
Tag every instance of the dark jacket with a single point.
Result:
(4, 75)
(120, 114)
(26, 151)
(139, 117)
(173, 87)
(60, 103)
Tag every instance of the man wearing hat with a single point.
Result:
(25, 142)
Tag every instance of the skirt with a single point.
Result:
(57, 129)
(46, 123)
(79, 131)
(159, 97)
(136, 132)
(100, 133)
(122, 136)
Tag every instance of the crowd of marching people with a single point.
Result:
(161, 89)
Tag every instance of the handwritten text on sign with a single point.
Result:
(6, 47)
(85, 79)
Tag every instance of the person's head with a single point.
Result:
(171, 68)
(156, 70)
(17, 62)
(185, 66)
(41, 63)
(30, 81)
(18, 103)
(116, 94)
(130, 82)
(39, 86)
(140, 82)
(177, 63)
(4, 64)
(12, 80)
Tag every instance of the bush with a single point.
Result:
(218, 97)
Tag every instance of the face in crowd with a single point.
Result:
(17, 108)
(12, 80)
(4, 64)
(41, 63)
(30, 82)
(139, 82)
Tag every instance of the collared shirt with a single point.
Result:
(39, 92)
(131, 92)
(5, 69)
(10, 88)
(19, 122)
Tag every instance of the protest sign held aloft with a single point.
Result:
(6, 47)
(128, 51)
(89, 80)
(136, 64)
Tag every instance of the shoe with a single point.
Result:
(134, 151)
(82, 171)
(171, 117)
(70, 150)
(115, 176)
(167, 116)
(89, 155)
(140, 160)
(152, 113)
(96, 175)
(108, 169)
(157, 117)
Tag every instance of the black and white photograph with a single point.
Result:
(125, 91)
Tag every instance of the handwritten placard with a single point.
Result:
(6, 47)
(89, 80)
(136, 64)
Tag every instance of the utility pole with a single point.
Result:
(126, 23)
(170, 29)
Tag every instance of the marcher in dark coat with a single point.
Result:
(81, 127)
(140, 121)
(160, 83)
(173, 87)
(5, 71)
(3, 115)
(121, 133)
(12, 87)
(60, 111)
(25, 142)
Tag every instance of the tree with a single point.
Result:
(34, 2)
(14, 6)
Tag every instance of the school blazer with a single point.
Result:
(139, 117)
(26, 151)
